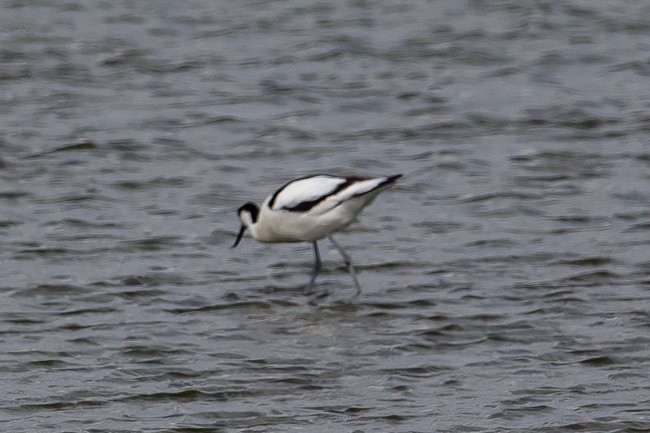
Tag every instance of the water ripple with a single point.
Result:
(505, 278)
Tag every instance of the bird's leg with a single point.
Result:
(317, 265)
(348, 263)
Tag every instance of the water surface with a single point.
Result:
(506, 277)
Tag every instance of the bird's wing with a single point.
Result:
(354, 187)
(358, 186)
(301, 195)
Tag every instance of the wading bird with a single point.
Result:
(312, 208)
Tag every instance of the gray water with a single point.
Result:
(506, 277)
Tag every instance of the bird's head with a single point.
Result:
(247, 214)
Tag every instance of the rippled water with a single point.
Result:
(506, 277)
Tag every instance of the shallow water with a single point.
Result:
(506, 277)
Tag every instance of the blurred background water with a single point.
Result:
(506, 277)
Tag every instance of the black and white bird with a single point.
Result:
(312, 208)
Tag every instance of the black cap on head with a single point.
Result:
(251, 208)
(254, 212)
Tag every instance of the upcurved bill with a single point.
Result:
(239, 236)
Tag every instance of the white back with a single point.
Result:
(303, 190)
(359, 187)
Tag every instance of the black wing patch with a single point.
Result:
(306, 206)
